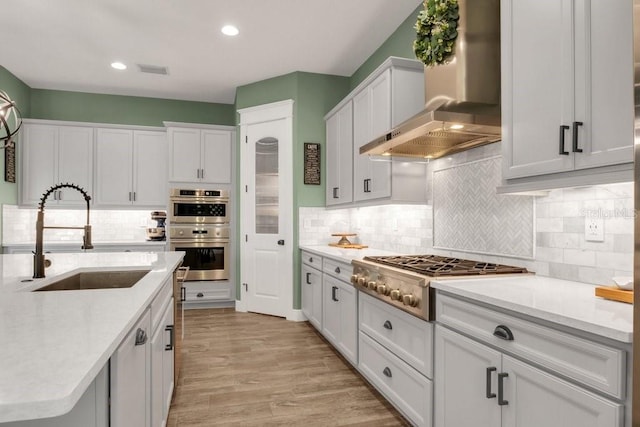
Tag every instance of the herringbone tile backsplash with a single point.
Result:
(469, 216)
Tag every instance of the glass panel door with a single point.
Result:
(267, 186)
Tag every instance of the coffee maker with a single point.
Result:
(157, 232)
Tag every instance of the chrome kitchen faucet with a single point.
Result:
(38, 255)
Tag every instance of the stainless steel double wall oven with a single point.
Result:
(199, 226)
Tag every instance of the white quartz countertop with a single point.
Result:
(78, 244)
(344, 254)
(571, 304)
(55, 343)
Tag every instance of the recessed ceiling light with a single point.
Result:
(118, 66)
(230, 30)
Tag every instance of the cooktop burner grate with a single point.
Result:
(434, 265)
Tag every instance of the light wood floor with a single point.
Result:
(245, 369)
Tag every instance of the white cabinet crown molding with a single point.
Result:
(92, 125)
(391, 62)
(197, 126)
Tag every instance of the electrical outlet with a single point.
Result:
(594, 229)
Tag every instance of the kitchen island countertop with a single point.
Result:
(566, 303)
(55, 343)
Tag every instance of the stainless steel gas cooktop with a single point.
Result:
(403, 280)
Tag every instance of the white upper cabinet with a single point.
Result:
(340, 156)
(131, 168)
(200, 154)
(53, 154)
(391, 94)
(371, 118)
(567, 86)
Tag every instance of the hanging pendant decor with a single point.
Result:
(436, 32)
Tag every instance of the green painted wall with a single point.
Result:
(314, 95)
(20, 93)
(400, 43)
(127, 110)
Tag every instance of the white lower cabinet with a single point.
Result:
(92, 410)
(131, 379)
(142, 368)
(406, 388)
(162, 349)
(340, 316)
(508, 371)
(498, 390)
(396, 356)
(311, 288)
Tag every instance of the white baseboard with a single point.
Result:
(296, 316)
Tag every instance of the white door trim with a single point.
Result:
(256, 115)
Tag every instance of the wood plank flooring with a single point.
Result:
(246, 369)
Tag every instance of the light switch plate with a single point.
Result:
(594, 229)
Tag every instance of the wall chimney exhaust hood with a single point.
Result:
(462, 98)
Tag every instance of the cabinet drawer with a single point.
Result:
(312, 260)
(338, 269)
(408, 337)
(594, 364)
(208, 292)
(405, 387)
(160, 302)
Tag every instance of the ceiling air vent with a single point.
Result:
(153, 69)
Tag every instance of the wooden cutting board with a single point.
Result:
(614, 294)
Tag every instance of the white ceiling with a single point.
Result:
(69, 44)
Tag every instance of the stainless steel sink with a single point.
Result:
(110, 279)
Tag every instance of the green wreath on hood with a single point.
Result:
(437, 30)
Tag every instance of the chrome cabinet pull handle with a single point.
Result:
(308, 278)
(503, 333)
(337, 270)
(490, 394)
(388, 325)
(333, 293)
(501, 377)
(387, 372)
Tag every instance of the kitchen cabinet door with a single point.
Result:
(150, 161)
(604, 72)
(131, 378)
(201, 155)
(56, 154)
(216, 157)
(536, 398)
(340, 316)
(114, 167)
(372, 178)
(157, 381)
(567, 91)
(162, 377)
(168, 377)
(465, 376)
(184, 146)
(312, 296)
(340, 156)
(331, 316)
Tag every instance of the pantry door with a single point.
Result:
(266, 209)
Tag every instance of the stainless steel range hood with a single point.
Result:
(462, 108)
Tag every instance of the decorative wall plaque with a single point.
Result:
(312, 163)
(10, 162)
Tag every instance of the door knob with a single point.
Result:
(281, 242)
